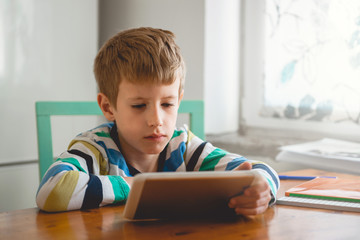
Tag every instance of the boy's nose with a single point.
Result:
(155, 119)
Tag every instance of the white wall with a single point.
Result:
(222, 64)
(47, 49)
(58, 56)
(208, 33)
(60, 49)
(183, 17)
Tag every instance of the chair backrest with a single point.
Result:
(195, 109)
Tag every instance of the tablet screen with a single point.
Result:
(184, 195)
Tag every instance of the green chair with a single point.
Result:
(195, 109)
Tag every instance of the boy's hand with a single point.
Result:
(129, 180)
(255, 199)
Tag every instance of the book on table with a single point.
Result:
(328, 193)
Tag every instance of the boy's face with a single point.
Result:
(146, 116)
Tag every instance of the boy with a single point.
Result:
(140, 74)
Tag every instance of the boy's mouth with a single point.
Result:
(155, 137)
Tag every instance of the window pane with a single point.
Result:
(312, 60)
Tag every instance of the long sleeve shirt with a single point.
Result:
(91, 172)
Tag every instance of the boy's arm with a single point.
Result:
(210, 158)
(74, 182)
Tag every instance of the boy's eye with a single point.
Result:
(138, 106)
(167, 104)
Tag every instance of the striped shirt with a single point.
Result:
(90, 173)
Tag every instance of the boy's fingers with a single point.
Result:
(251, 211)
(242, 201)
(261, 188)
(251, 208)
(252, 197)
(244, 166)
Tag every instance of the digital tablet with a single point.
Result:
(185, 194)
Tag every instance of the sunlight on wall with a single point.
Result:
(2, 42)
(222, 36)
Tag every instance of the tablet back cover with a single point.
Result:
(184, 198)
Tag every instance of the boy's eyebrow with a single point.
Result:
(143, 98)
(171, 96)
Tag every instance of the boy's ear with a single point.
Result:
(181, 95)
(105, 107)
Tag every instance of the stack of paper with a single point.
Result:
(319, 203)
(327, 154)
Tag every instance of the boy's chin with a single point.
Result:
(154, 150)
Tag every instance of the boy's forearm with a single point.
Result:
(75, 190)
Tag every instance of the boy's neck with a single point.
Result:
(143, 163)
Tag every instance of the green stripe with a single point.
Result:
(72, 161)
(212, 159)
(177, 133)
(120, 188)
(271, 186)
(324, 197)
(103, 134)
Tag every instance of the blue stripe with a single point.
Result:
(176, 159)
(93, 194)
(53, 171)
(235, 163)
(268, 170)
(115, 157)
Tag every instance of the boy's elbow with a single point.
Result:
(58, 197)
(54, 202)
(47, 208)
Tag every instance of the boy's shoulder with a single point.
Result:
(98, 136)
(101, 135)
(184, 135)
(181, 132)
(102, 130)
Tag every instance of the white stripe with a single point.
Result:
(108, 192)
(223, 162)
(115, 170)
(77, 197)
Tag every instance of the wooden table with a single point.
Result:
(278, 222)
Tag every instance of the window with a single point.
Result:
(301, 65)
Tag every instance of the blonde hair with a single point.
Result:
(140, 55)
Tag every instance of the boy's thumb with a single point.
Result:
(244, 166)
